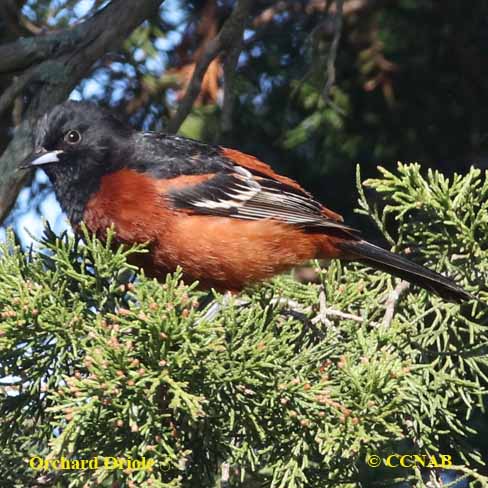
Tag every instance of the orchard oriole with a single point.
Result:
(227, 219)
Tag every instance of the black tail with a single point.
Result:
(399, 266)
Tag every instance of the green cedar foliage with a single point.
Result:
(282, 389)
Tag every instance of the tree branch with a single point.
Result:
(11, 19)
(26, 51)
(16, 87)
(350, 7)
(324, 311)
(322, 315)
(392, 302)
(232, 28)
(230, 65)
(331, 59)
(332, 312)
(63, 58)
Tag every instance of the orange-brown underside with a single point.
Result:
(220, 252)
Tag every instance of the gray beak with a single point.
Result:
(40, 157)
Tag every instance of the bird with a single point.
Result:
(225, 218)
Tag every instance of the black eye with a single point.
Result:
(72, 137)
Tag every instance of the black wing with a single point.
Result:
(240, 194)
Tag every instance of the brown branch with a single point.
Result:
(392, 301)
(350, 7)
(26, 51)
(322, 315)
(325, 311)
(13, 22)
(232, 27)
(332, 312)
(230, 65)
(29, 50)
(63, 58)
(16, 87)
(331, 58)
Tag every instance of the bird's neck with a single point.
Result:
(74, 194)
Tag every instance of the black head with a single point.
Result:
(76, 144)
